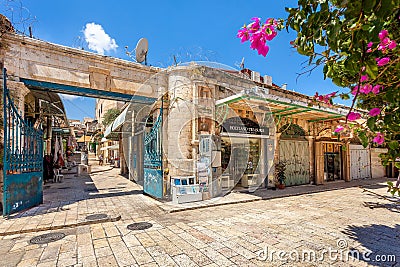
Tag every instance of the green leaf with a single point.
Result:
(394, 144)
(390, 183)
(344, 96)
(371, 69)
(371, 123)
(363, 138)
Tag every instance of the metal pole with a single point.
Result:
(4, 139)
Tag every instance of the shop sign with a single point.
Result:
(243, 129)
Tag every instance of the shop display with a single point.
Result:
(185, 189)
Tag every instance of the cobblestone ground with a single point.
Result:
(288, 230)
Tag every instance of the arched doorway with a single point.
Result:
(294, 151)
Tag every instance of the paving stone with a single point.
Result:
(11, 259)
(165, 260)
(48, 263)
(228, 235)
(88, 261)
(67, 259)
(242, 261)
(50, 252)
(150, 264)
(140, 255)
(99, 243)
(103, 252)
(227, 252)
(217, 257)
(107, 261)
(184, 260)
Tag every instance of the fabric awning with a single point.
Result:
(113, 147)
(83, 138)
(117, 123)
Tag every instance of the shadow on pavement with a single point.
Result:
(116, 194)
(380, 243)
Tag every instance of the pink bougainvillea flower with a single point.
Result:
(258, 34)
(382, 48)
(263, 50)
(243, 34)
(385, 41)
(383, 34)
(379, 138)
(392, 45)
(331, 95)
(374, 112)
(256, 40)
(364, 78)
(366, 89)
(254, 26)
(383, 61)
(355, 90)
(352, 116)
(272, 22)
(370, 44)
(325, 98)
(376, 89)
(339, 128)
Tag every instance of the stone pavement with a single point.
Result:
(228, 235)
(263, 194)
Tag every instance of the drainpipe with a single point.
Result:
(194, 154)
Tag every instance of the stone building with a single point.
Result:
(217, 129)
(193, 132)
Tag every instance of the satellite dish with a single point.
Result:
(141, 50)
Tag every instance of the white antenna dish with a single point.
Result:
(141, 50)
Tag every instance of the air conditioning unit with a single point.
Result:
(255, 76)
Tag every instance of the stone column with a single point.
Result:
(311, 148)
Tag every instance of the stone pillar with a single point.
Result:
(178, 137)
(346, 162)
(319, 163)
(311, 148)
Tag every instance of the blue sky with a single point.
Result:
(190, 30)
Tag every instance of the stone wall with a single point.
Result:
(34, 59)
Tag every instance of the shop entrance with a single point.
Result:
(332, 162)
(240, 160)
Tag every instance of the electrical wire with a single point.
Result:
(70, 101)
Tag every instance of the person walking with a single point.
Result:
(101, 159)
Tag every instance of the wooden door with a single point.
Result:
(296, 155)
(359, 162)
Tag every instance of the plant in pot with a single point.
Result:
(280, 177)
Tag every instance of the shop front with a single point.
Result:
(243, 153)
(333, 163)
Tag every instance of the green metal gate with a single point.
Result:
(22, 159)
(153, 174)
(295, 154)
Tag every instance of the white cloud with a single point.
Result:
(69, 97)
(97, 39)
